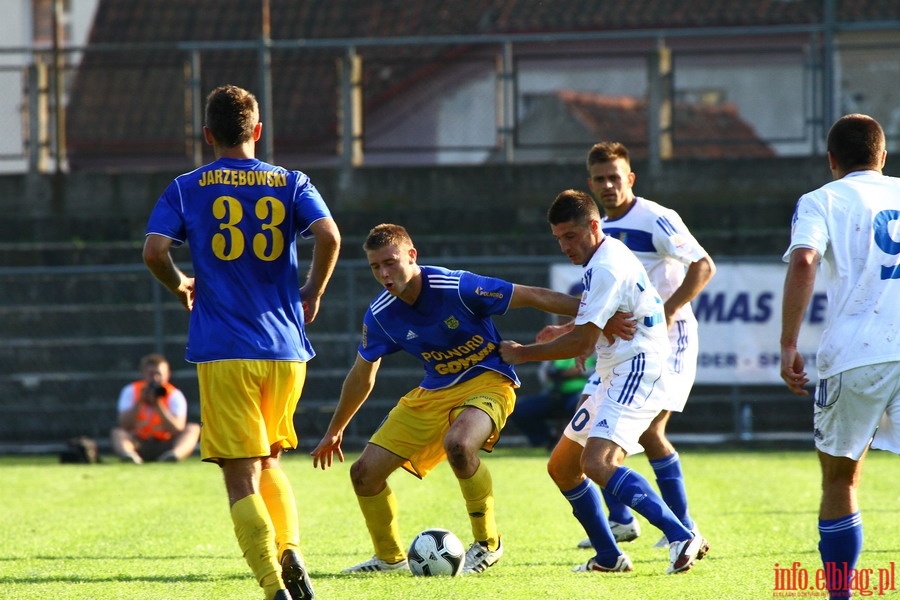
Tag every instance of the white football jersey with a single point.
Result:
(854, 225)
(663, 244)
(614, 280)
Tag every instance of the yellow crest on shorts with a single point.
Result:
(451, 322)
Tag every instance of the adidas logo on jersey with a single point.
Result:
(411, 334)
(603, 424)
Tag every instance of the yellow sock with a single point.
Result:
(256, 537)
(380, 513)
(478, 492)
(276, 491)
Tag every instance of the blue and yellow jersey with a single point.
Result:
(449, 327)
(241, 218)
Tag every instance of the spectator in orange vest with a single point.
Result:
(152, 423)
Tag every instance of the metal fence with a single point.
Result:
(450, 99)
(71, 337)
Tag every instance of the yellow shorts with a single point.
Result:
(247, 406)
(415, 428)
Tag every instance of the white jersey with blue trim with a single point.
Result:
(663, 244)
(854, 225)
(448, 328)
(615, 281)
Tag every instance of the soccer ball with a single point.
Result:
(436, 552)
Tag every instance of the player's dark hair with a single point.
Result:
(387, 234)
(231, 115)
(573, 205)
(607, 152)
(856, 142)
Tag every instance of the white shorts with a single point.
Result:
(682, 364)
(629, 397)
(856, 407)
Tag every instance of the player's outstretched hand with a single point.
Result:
(323, 454)
(551, 332)
(793, 371)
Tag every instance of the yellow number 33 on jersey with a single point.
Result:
(229, 243)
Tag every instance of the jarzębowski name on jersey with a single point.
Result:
(238, 177)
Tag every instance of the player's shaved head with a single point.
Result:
(856, 142)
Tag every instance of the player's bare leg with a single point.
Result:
(564, 465)
(840, 479)
(379, 508)
(252, 523)
(565, 470)
(656, 444)
(667, 466)
(467, 434)
(602, 461)
(840, 523)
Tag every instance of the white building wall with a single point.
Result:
(16, 29)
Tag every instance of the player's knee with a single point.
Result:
(459, 452)
(359, 478)
(600, 469)
(562, 475)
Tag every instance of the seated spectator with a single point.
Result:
(152, 424)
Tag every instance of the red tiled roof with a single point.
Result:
(699, 130)
(133, 103)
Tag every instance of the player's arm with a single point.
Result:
(326, 248)
(620, 325)
(579, 341)
(356, 388)
(159, 260)
(798, 289)
(547, 300)
(695, 279)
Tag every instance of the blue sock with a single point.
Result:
(634, 490)
(840, 543)
(618, 512)
(586, 506)
(670, 480)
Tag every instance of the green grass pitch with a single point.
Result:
(110, 531)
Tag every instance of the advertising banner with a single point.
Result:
(739, 315)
